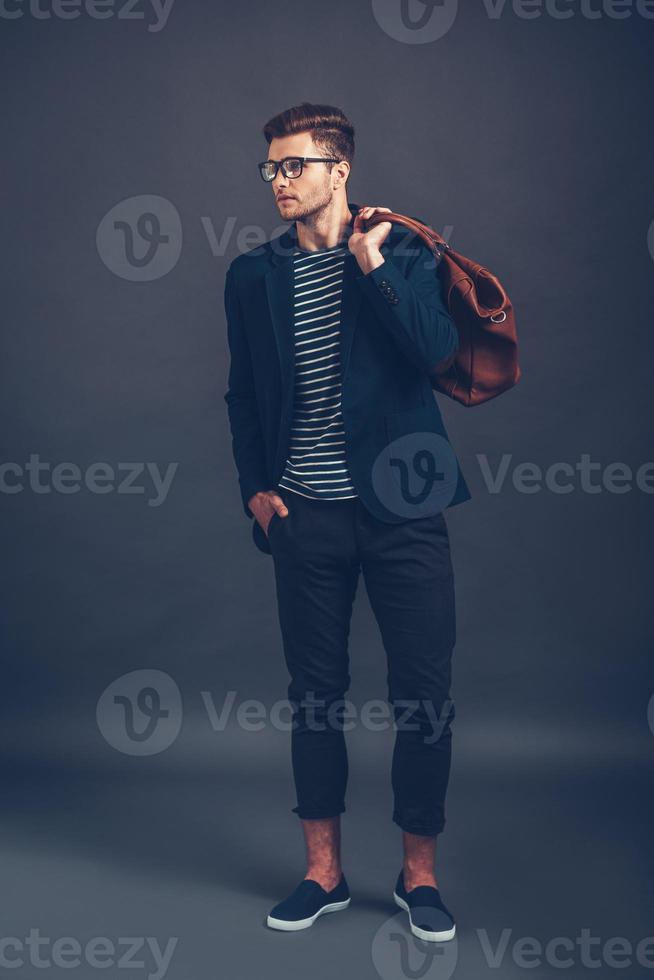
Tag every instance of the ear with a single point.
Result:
(342, 172)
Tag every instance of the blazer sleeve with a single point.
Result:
(411, 305)
(247, 438)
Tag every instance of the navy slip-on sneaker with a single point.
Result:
(309, 900)
(429, 917)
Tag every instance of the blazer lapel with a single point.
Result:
(279, 289)
(350, 302)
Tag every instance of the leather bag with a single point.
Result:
(486, 363)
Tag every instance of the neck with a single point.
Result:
(326, 228)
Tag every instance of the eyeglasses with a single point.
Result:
(291, 166)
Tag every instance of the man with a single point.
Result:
(333, 330)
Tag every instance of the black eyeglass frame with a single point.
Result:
(280, 163)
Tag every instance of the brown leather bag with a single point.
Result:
(486, 363)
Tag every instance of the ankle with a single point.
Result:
(328, 876)
(414, 878)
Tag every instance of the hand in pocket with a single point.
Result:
(264, 505)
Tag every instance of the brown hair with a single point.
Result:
(330, 128)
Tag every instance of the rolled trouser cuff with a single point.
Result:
(421, 828)
(318, 813)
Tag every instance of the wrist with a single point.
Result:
(369, 258)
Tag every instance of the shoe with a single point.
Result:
(429, 918)
(309, 900)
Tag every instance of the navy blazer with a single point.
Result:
(394, 328)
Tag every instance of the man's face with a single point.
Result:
(297, 197)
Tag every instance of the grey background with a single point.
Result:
(527, 140)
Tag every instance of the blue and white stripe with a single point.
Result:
(316, 466)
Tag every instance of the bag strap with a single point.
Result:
(430, 237)
(465, 269)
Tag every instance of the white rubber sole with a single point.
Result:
(430, 937)
(289, 926)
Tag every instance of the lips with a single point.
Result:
(284, 197)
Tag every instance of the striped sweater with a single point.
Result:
(316, 466)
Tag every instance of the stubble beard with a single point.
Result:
(310, 208)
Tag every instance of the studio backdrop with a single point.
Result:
(146, 778)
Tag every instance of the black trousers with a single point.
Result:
(318, 551)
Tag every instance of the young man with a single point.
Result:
(333, 330)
